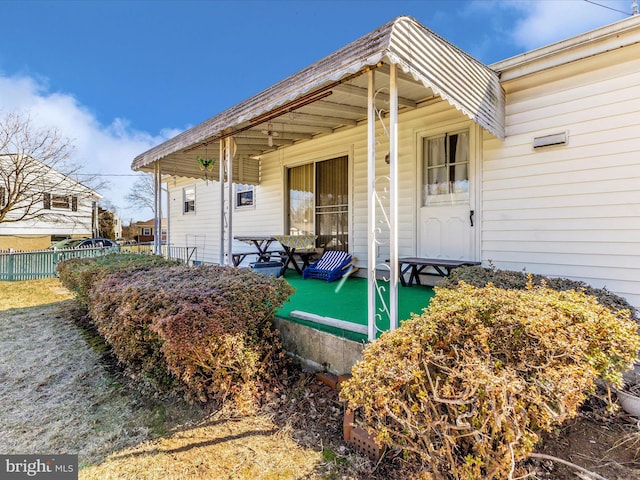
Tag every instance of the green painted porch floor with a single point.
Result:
(347, 300)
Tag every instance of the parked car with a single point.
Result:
(84, 243)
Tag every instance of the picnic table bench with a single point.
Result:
(292, 246)
(416, 265)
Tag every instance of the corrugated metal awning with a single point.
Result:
(331, 95)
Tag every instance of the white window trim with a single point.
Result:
(250, 188)
(185, 191)
(443, 198)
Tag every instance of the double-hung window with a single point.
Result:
(189, 200)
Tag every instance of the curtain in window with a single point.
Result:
(436, 166)
(461, 170)
(332, 204)
(446, 168)
(301, 196)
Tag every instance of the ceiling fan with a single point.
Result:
(270, 134)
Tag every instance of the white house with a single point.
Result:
(400, 144)
(39, 204)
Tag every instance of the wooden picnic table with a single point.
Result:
(301, 245)
(416, 265)
(261, 244)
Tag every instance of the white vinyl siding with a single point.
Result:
(572, 210)
(69, 214)
(268, 216)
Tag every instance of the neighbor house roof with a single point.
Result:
(331, 94)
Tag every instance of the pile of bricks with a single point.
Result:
(361, 440)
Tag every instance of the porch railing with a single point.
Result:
(187, 255)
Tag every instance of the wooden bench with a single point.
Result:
(416, 265)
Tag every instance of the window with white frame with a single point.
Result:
(245, 196)
(146, 231)
(189, 200)
(445, 168)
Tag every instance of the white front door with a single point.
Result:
(446, 212)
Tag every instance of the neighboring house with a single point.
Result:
(400, 144)
(144, 231)
(117, 226)
(56, 207)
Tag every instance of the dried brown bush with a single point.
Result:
(466, 388)
(509, 279)
(203, 330)
(81, 274)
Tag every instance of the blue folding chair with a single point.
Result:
(331, 266)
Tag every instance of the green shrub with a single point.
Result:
(80, 274)
(508, 279)
(466, 388)
(207, 327)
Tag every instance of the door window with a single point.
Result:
(445, 166)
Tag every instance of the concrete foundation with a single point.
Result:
(316, 350)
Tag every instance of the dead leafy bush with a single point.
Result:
(466, 388)
(509, 279)
(80, 274)
(207, 327)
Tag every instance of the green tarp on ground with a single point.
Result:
(346, 300)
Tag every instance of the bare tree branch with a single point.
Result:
(142, 193)
(36, 174)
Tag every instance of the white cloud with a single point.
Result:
(102, 149)
(544, 21)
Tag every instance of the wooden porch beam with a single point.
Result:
(362, 93)
(299, 117)
(346, 109)
(281, 134)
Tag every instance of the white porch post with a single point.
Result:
(157, 220)
(229, 157)
(168, 222)
(393, 200)
(371, 208)
(221, 162)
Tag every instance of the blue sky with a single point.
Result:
(118, 77)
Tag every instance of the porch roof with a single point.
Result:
(331, 95)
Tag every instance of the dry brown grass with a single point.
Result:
(248, 448)
(58, 397)
(32, 293)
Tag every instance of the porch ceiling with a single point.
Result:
(331, 95)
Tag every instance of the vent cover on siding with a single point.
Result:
(550, 140)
